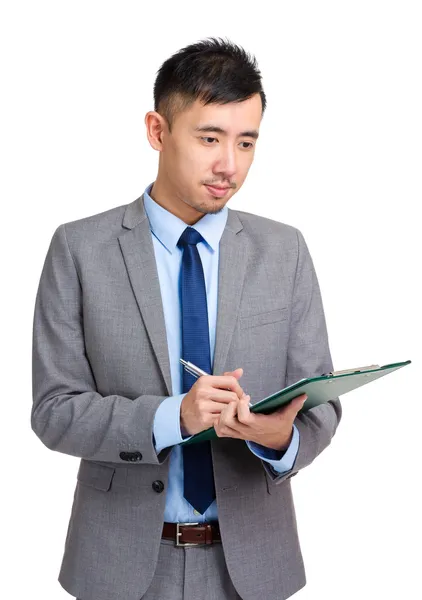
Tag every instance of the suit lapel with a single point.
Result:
(138, 252)
(234, 254)
(139, 257)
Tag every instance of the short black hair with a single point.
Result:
(212, 70)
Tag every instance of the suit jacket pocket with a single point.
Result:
(95, 475)
(272, 316)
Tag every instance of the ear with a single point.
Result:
(155, 127)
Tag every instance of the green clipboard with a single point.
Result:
(319, 389)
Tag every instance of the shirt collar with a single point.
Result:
(168, 228)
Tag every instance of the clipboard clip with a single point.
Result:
(356, 370)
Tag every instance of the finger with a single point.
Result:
(227, 425)
(243, 412)
(228, 432)
(226, 382)
(222, 397)
(228, 414)
(236, 373)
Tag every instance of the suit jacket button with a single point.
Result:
(158, 486)
(131, 456)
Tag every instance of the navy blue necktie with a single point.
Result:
(199, 488)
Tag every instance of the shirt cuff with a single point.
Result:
(280, 460)
(166, 427)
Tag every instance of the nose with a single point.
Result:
(226, 165)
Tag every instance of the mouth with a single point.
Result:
(216, 190)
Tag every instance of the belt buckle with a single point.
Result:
(179, 533)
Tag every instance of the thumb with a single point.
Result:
(294, 405)
(298, 402)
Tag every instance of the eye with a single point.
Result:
(248, 146)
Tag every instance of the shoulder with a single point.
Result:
(259, 227)
(102, 226)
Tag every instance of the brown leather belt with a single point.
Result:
(192, 534)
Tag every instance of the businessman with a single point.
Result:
(122, 296)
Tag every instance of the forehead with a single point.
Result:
(233, 116)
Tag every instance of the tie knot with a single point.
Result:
(190, 236)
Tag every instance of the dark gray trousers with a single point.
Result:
(190, 573)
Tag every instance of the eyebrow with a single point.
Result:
(214, 129)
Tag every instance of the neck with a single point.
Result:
(161, 194)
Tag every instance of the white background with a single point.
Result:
(339, 157)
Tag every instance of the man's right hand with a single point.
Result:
(207, 398)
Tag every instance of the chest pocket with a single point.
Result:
(264, 318)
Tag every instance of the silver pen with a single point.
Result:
(196, 371)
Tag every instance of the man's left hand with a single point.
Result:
(273, 431)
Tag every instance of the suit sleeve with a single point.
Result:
(280, 460)
(68, 414)
(308, 355)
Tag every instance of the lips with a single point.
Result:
(217, 192)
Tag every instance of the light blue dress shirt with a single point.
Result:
(166, 230)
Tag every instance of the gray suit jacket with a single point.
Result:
(101, 369)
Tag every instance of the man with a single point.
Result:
(123, 295)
